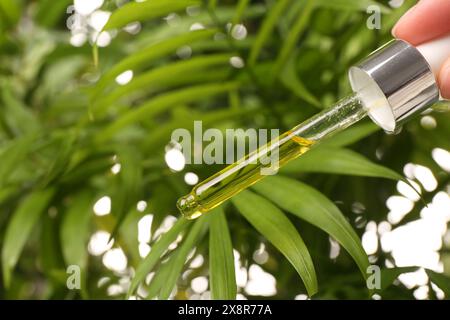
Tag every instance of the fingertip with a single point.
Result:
(444, 80)
(402, 29)
(425, 21)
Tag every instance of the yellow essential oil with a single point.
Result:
(242, 174)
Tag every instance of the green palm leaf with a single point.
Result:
(221, 260)
(312, 206)
(139, 11)
(276, 227)
(20, 227)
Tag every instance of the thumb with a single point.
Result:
(444, 79)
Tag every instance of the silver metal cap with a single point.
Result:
(398, 83)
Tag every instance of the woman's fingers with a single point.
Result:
(444, 79)
(427, 20)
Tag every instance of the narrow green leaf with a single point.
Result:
(145, 56)
(294, 34)
(351, 135)
(6, 193)
(266, 29)
(276, 227)
(59, 165)
(290, 80)
(194, 235)
(442, 281)
(126, 233)
(146, 266)
(240, 9)
(50, 255)
(161, 203)
(212, 4)
(163, 76)
(339, 161)
(129, 188)
(49, 12)
(20, 227)
(351, 5)
(18, 116)
(159, 279)
(90, 166)
(234, 100)
(312, 206)
(224, 15)
(60, 74)
(221, 260)
(95, 54)
(208, 119)
(10, 12)
(161, 103)
(15, 152)
(74, 231)
(140, 11)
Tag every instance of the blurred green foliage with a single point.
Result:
(65, 122)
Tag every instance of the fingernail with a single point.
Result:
(403, 18)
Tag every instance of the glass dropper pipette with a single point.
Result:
(391, 86)
(268, 159)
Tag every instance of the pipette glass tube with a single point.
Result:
(253, 167)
